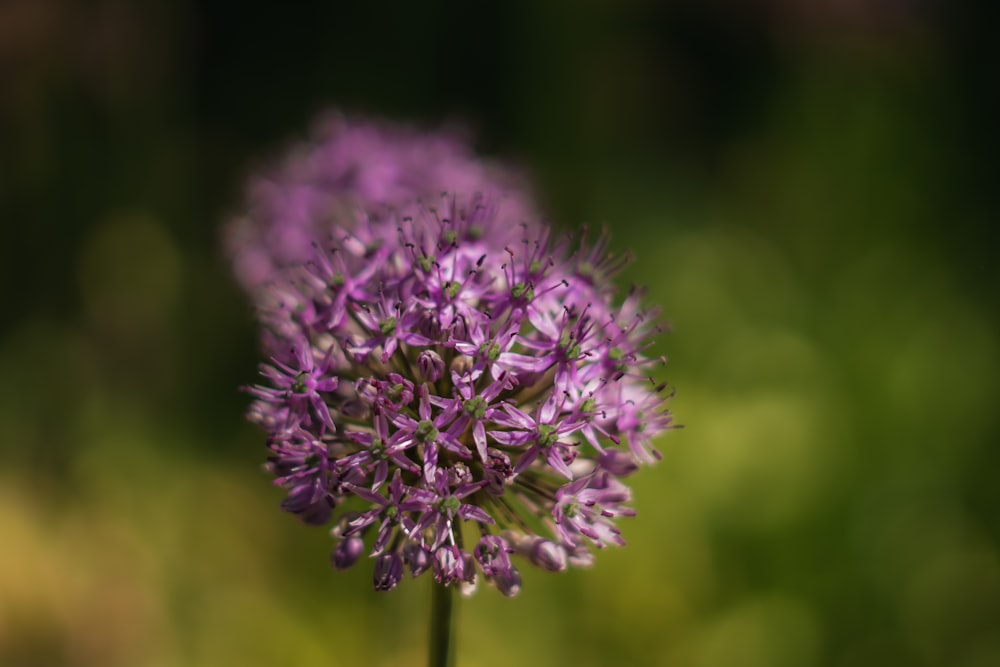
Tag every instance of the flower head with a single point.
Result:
(454, 389)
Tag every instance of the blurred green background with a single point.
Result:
(810, 190)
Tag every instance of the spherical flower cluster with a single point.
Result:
(349, 162)
(452, 389)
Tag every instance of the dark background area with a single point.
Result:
(810, 190)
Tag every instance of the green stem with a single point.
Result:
(442, 640)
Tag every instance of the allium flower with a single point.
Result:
(347, 163)
(452, 389)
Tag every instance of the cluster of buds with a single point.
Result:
(452, 389)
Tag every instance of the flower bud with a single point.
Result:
(347, 552)
(417, 558)
(459, 474)
(449, 565)
(470, 581)
(580, 557)
(492, 554)
(497, 471)
(431, 365)
(310, 502)
(548, 555)
(509, 583)
(618, 463)
(388, 571)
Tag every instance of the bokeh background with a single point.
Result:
(811, 192)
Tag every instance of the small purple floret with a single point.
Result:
(347, 552)
(449, 564)
(547, 555)
(388, 571)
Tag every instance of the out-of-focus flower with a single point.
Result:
(346, 163)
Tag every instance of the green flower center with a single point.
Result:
(299, 386)
(571, 349)
(522, 290)
(546, 435)
(426, 432)
(617, 355)
(490, 351)
(476, 407)
(387, 326)
(449, 504)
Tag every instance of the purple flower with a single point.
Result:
(449, 564)
(300, 388)
(509, 583)
(346, 162)
(347, 552)
(393, 511)
(431, 365)
(588, 506)
(417, 558)
(444, 376)
(492, 554)
(388, 571)
(547, 555)
(444, 507)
